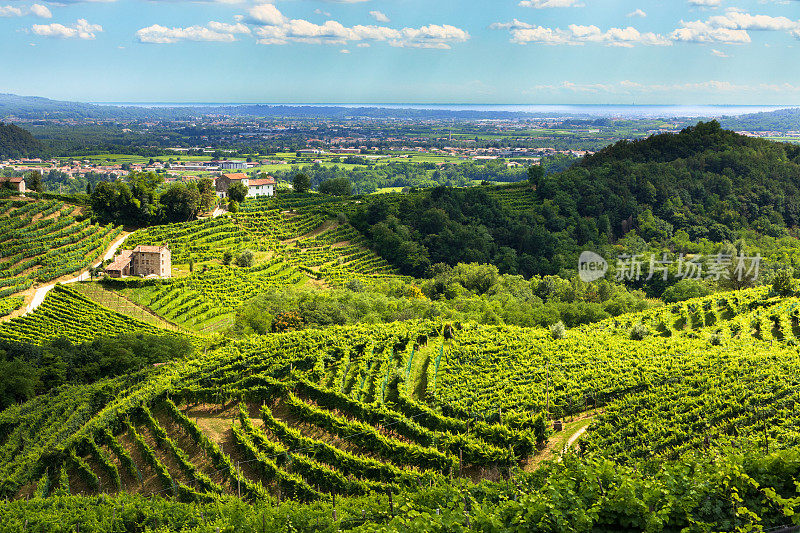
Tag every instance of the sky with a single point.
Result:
(404, 51)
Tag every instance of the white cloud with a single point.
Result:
(41, 11)
(318, 11)
(224, 27)
(542, 4)
(705, 3)
(277, 30)
(36, 10)
(80, 30)
(344, 51)
(10, 11)
(214, 32)
(732, 28)
(523, 33)
(718, 53)
(266, 14)
(637, 13)
(380, 17)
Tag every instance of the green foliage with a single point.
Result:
(16, 142)
(66, 313)
(237, 192)
(684, 290)
(336, 187)
(558, 330)
(301, 183)
(10, 304)
(141, 200)
(245, 259)
(28, 369)
(783, 283)
(43, 240)
(180, 202)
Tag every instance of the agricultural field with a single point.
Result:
(41, 241)
(361, 411)
(294, 239)
(66, 313)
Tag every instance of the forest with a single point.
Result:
(16, 142)
(705, 184)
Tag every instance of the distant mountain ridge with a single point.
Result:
(38, 108)
(13, 106)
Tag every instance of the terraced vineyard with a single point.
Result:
(203, 300)
(298, 246)
(514, 197)
(10, 304)
(44, 240)
(361, 409)
(296, 416)
(67, 313)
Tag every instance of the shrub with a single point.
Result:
(558, 330)
(227, 257)
(245, 259)
(782, 283)
(286, 321)
(639, 332)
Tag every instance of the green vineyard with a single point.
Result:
(66, 313)
(44, 240)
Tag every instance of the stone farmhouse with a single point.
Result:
(255, 187)
(142, 261)
(17, 183)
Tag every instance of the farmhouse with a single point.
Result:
(142, 261)
(17, 183)
(255, 187)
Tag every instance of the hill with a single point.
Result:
(41, 241)
(703, 185)
(363, 411)
(16, 142)
(780, 120)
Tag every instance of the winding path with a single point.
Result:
(41, 292)
(575, 436)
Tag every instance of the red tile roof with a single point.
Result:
(121, 261)
(235, 176)
(265, 181)
(150, 249)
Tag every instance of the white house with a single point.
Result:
(255, 187)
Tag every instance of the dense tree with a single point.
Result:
(336, 187)
(237, 192)
(180, 202)
(26, 370)
(16, 142)
(33, 181)
(245, 259)
(208, 198)
(301, 183)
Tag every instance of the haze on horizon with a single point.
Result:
(385, 51)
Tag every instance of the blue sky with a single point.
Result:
(404, 51)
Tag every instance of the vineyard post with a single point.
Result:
(391, 503)
(460, 463)
(334, 507)
(548, 389)
(238, 480)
